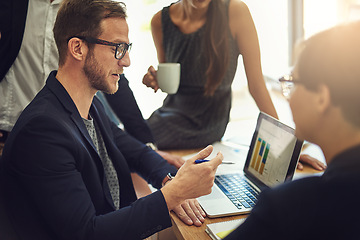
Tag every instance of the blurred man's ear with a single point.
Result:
(323, 99)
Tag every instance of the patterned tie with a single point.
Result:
(109, 169)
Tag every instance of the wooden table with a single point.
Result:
(183, 231)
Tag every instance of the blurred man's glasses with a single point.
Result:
(121, 48)
(288, 85)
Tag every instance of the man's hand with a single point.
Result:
(305, 158)
(190, 212)
(192, 180)
(174, 160)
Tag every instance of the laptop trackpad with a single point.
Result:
(216, 204)
(215, 194)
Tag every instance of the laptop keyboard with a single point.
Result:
(237, 189)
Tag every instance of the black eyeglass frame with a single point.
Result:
(121, 48)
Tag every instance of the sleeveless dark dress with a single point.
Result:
(188, 119)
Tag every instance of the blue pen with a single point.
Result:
(201, 161)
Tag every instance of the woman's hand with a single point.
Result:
(190, 212)
(316, 164)
(150, 80)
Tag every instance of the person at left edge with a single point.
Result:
(66, 167)
(27, 55)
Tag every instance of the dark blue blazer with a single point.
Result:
(326, 207)
(55, 186)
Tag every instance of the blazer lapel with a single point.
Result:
(65, 99)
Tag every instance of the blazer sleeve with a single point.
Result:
(53, 167)
(141, 159)
(125, 107)
(12, 26)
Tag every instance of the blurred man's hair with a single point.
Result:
(332, 57)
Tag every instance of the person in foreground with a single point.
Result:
(323, 93)
(66, 167)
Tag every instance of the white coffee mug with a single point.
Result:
(168, 77)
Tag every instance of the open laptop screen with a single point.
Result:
(273, 144)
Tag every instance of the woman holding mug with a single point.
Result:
(205, 37)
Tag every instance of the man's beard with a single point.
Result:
(96, 76)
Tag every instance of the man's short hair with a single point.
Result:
(332, 57)
(82, 18)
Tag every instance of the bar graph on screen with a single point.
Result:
(261, 153)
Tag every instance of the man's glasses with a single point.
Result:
(288, 85)
(121, 48)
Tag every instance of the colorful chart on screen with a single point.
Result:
(270, 159)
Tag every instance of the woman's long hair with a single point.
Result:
(216, 45)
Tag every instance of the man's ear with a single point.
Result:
(323, 98)
(77, 48)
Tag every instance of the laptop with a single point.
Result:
(271, 159)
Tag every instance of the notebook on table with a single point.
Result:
(271, 159)
(220, 230)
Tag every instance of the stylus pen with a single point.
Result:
(201, 161)
(205, 160)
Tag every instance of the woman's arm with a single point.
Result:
(243, 30)
(156, 30)
(149, 78)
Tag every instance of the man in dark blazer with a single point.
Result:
(66, 167)
(323, 93)
(13, 21)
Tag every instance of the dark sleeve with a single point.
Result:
(124, 105)
(12, 25)
(262, 222)
(141, 159)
